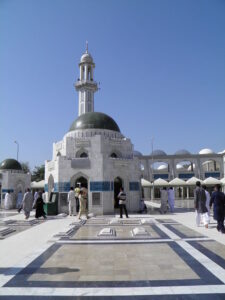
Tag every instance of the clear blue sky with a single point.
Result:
(161, 65)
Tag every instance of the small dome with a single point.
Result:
(206, 151)
(179, 166)
(190, 169)
(137, 153)
(221, 152)
(86, 58)
(182, 152)
(94, 120)
(162, 167)
(158, 153)
(10, 164)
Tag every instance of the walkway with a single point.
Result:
(143, 257)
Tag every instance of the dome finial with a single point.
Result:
(86, 46)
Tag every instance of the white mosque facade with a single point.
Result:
(93, 153)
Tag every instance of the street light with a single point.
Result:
(153, 189)
(17, 156)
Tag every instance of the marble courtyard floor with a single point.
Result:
(149, 256)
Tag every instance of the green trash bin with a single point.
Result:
(51, 207)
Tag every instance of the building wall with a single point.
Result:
(172, 160)
(14, 181)
(98, 168)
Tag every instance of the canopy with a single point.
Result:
(193, 180)
(145, 183)
(160, 182)
(37, 184)
(211, 181)
(222, 181)
(177, 182)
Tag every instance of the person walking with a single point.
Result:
(164, 200)
(39, 205)
(200, 205)
(72, 202)
(171, 199)
(27, 203)
(8, 200)
(44, 196)
(122, 202)
(77, 193)
(19, 200)
(218, 201)
(83, 204)
(207, 203)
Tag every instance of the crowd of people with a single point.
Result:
(78, 204)
(27, 203)
(203, 203)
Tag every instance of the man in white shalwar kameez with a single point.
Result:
(207, 202)
(27, 203)
(171, 199)
(164, 200)
(8, 200)
(72, 202)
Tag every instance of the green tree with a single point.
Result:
(38, 173)
(25, 166)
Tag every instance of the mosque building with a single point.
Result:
(13, 179)
(94, 154)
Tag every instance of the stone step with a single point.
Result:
(6, 230)
(107, 232)
(140, 231)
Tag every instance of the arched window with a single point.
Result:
(113, 155)
(83, 155)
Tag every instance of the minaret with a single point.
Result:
(85, 85)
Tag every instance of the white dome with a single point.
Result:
(162, 167)
(221, 152)
(86, 58)
(189, 168)
(180, 166)
(206, 151)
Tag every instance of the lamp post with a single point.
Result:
(153, 189)
(17, 156)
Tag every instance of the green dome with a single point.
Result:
(10, 164)
(94, 120)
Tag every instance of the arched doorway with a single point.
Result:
(81, 182)
(118, 183)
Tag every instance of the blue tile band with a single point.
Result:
(100, 186)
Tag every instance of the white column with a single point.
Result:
(152, 193)
(81, 73)
(86, 72)
(188, 193)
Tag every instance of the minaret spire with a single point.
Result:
(85, 85)
(86, 46)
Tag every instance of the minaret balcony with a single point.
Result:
(86, 83)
